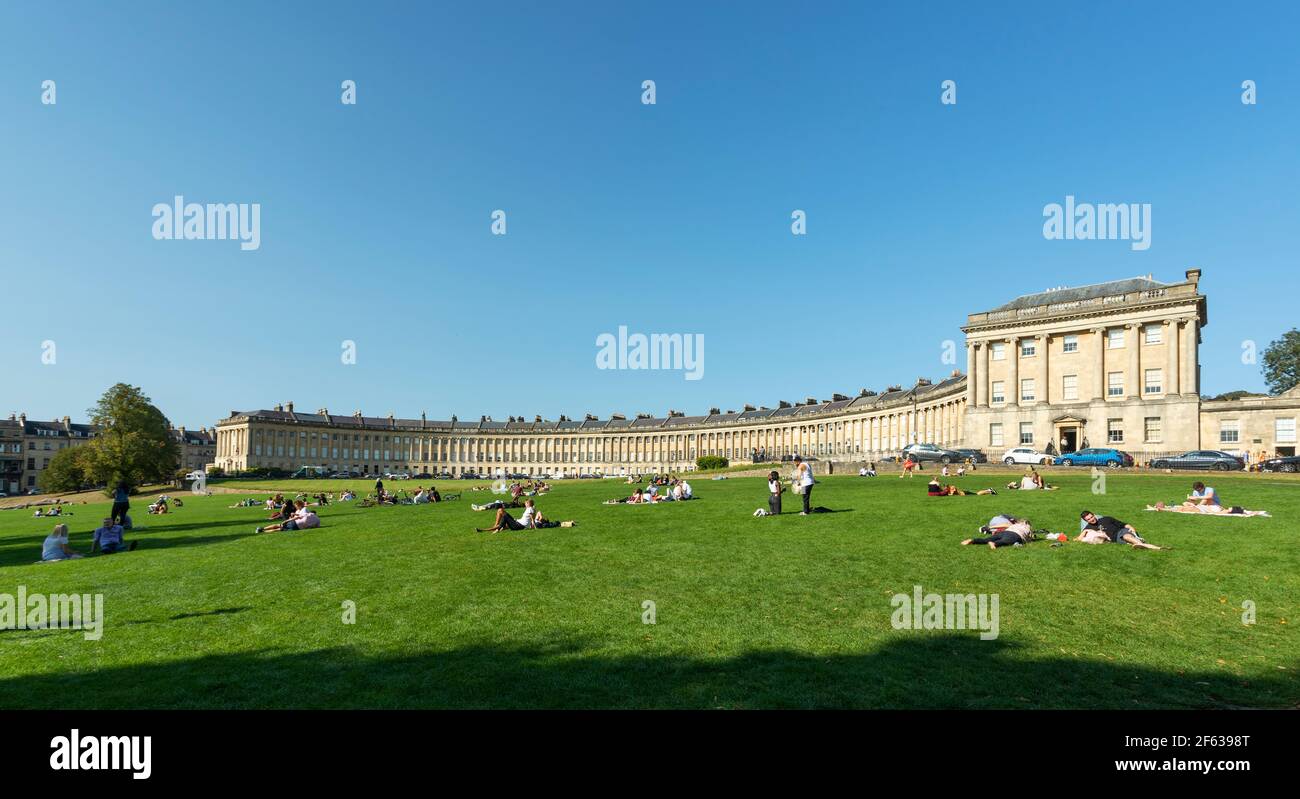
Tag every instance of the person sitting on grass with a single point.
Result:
(348, 495)
(159, 507)
(303, 518)
(637, 498)
(283, 508)
(56, 545)
(108, 538)
(1015, 533)
(1203, 496)
(1114, 530)
(421, 497)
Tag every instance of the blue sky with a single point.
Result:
(671, 218)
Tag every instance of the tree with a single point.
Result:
(66, 472)
(1282, 362)
(705, 462)
(133, 442)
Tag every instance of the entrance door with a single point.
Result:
(1069, 440)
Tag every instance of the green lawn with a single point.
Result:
(788, 612)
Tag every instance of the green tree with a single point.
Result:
(710, 462)
(132, 443)
(66, 472)
(1282, 362)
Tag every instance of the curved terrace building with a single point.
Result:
(1108, 365)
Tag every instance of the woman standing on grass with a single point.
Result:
(121, 502)
(774, 489)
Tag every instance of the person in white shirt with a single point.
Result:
(803, 478)
(774, 489)
(56, 545)
(420, 498)
(1203, 496)
(686, 490)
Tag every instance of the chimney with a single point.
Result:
(290, 406)
(1193, 276)
(279, 407)
(182, 429)
(22, 418)
(67, 425)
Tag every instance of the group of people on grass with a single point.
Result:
(108, 538)
(672, 490)
(530, 519)
(1006, 530)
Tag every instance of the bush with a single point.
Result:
(711, 462)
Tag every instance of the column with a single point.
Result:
(1133, 378)
(1170, 377)
(982, 375)
(1013, 372)
(1043, 387)
(1099, 363)
(970, 374)
(1190, 372)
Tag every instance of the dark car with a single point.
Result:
(932, 452)
(1286, 463)
(1201, 459)
(975, 455)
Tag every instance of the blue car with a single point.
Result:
(1096, 457)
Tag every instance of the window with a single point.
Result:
(1115, 384)
(1284, 430)
(1027, 348)
(1115, 338)
(1027, 390)
(995, 434)
(1069, 387)
(998, 350)
(998, 392)
(1151, 430)
(1115, 431)
(1153, 382)
(1070, 344)
(1229, 431)
(1026, 433)
(1154, 333)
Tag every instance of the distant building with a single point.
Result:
(42, 440)
(198, 447)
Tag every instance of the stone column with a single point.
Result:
(1013, 371)
(970, 373)
(1099, 367)
(1133, 378)
(1171, 333)
(982, 375)
(1190, 372)
(1044, 376)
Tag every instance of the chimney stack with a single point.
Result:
(1194, 276)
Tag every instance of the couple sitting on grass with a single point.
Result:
(530, 519)
(1205, 500)
(1005, 530)
(108, 539)
(300, 518)
(936, 489)
(680, 491)
(1032, 481)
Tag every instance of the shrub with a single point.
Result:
(711, 462)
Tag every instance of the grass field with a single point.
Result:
(789, 612)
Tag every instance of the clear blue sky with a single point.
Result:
(667, 218)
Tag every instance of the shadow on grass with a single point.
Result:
(26, 550)
(925, 671)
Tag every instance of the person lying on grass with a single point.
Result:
(637, 498)
(936, 489)
(496, 504)
(109, 538)
(1207, 510)
(1015, 533)
(304, 518)
(1115, 531)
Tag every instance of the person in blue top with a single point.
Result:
(121, 502)
(109, 538)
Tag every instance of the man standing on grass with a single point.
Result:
(803, 480)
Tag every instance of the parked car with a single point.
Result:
(975, 455)
(1201, 459)
(1286, 463)
(31, 492)
(931, 452)
(1094, 456)
(1026, 455)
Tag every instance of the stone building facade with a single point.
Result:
(1108, 365)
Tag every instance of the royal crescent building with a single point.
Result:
(1108, 365)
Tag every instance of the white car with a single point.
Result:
(1026, 455)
